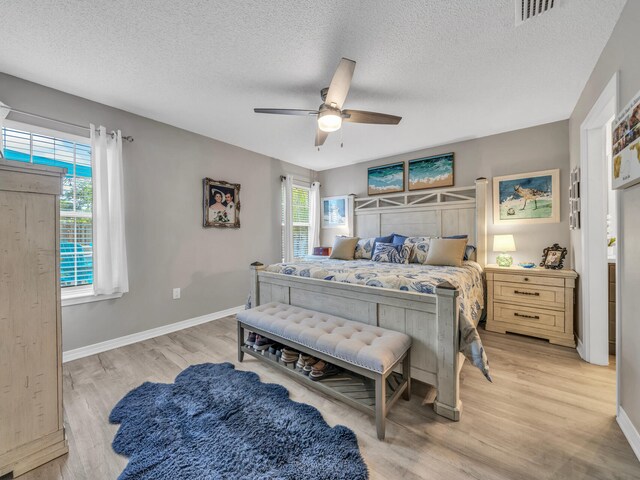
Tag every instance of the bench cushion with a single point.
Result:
(373, 348)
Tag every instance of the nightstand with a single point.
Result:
(531, 301)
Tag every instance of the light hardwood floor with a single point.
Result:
(548, 415)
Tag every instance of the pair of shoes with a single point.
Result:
(289, 355)
(251, 339)
(262, 343)
(305, 363)
(322, 370)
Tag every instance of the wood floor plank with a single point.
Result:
(548, 414)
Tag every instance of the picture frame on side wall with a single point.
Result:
(335, 212)
(527, 198)
(625, 147)
(220, 204)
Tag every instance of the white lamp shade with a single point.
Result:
(504, 243)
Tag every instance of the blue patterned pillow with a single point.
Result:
(364, 248)
(390, 253)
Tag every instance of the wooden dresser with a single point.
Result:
(31, 422)
(537, 302)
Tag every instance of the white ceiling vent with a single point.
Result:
(528, 9)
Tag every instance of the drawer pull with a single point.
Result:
(535, 317)
(536, 294)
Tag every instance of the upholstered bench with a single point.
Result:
(371, 353)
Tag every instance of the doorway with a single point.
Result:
(595, 194)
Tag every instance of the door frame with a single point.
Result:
(594, 276)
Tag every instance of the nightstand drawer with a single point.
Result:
(529, 279)
(538, 295)
(530, 317)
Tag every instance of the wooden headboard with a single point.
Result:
(439, 212)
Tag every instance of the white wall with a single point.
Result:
(528, 150)
(167, 246)
(620, 56)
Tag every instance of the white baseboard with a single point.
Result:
(629, 430)
(580, 349)
(81, 352)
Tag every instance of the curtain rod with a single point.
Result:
(29, 114)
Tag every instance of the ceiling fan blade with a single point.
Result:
(320, 137)
(340, 83)
(286, 111)
(360, 116)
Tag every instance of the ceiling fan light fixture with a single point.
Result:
(329, 120)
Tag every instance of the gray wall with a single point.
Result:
(528, 150)
(619, 56)
(166, 244)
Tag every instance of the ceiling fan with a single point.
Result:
(330, 114)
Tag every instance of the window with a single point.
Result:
(300, 211)
(76, 201)
(301, 223)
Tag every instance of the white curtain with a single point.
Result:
(314, 216)
(288, 219)
(110, 274)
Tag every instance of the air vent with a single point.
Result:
(528, 9)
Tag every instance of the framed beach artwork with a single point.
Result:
(334, 212)
(431, 172)
(221, 204)
(527, 198)
(625, 136)
(386, 179)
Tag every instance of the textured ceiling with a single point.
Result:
(454, 69)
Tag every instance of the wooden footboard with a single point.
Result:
(430, 319)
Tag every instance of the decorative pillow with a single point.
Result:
(385, 239)
(344, 248)
(420, 248)
(364, 248)
(446, 252)
(398, 239)
(470, 252)
(388, 252)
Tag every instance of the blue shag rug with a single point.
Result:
(216, 422)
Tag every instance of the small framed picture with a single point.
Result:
(221, 204)
(553, 257)
(334, 212)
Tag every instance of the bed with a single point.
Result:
(437, 306)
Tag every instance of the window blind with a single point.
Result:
(76, 201)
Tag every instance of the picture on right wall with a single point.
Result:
(527, 198)
(625, 137)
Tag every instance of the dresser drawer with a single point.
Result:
(538, 295)
(530, 317)
(529, 279)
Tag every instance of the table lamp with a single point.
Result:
(504, 244)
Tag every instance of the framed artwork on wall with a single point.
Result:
(221, 204)
(431, 172)
(386, 179)
(574, 199)
(335, 212)
(527, 198)
(625, 138)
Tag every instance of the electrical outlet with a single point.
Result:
(176, 293)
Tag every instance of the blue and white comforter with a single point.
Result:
(410, 277)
